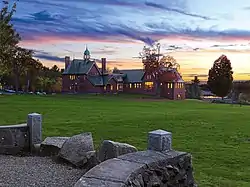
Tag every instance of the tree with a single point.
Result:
(9, 38)
(19, 64)
(116, 70)
(194, 89)
(156, 66)
(220, 78)
(195, 80)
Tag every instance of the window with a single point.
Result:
(149, 85)
(72, 77)
(130, 85)
(135, 85)
(148, 77)
(119, 86)
(104, 87)
(170, 85)
(111, 87)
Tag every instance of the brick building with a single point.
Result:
(84, 76)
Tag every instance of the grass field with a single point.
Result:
(217, 136)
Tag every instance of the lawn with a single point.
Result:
(216, 135)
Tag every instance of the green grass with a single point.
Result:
(216, 135)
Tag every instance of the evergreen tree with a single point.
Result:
(220, 78)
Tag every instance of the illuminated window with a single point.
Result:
(104, 87)
(149, 85)
(130, 85)
(111, 87)
(72, 77)
(135, 85)
(161, 84)
(119, 86)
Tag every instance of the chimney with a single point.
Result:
(104, 65)
(67, 62)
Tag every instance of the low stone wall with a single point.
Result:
(159, 166)
(18, 139)
(14, 139)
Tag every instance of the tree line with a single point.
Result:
(19, 70)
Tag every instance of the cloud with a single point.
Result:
(91, 19)
(104, 51)
(47, 56)
(160, 6)
(119, 21)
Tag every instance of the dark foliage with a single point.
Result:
(220, 78)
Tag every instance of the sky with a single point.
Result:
(194, 32)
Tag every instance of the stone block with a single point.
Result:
(75, 149)
(159, 140)
(110, 149)
(14, 139)
(52, 145)
(114, 169)
(34, 123)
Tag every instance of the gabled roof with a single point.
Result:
(172, 76)
(98, 80)
(133, 75)
(78, 66)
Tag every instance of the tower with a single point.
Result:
(67, 62)
(86, 55)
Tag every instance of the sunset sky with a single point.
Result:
(194, 32)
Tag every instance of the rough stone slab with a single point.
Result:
(14, 140)
(159, 140)
(52, 145)
(110, 149)
(34, 123)
(75, 149)
(114, 169)
(146, 157)
(89, 160)
(93, 182)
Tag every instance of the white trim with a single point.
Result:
(94, 64)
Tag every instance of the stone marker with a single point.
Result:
(110, 149)
(159, 140)
(34, 123)
(52, 145)
(75, 149)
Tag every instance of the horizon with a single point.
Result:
(195, 33)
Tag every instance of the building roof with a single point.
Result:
(172, 76)
(133, 75)
(78, 66)
(99, 80)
